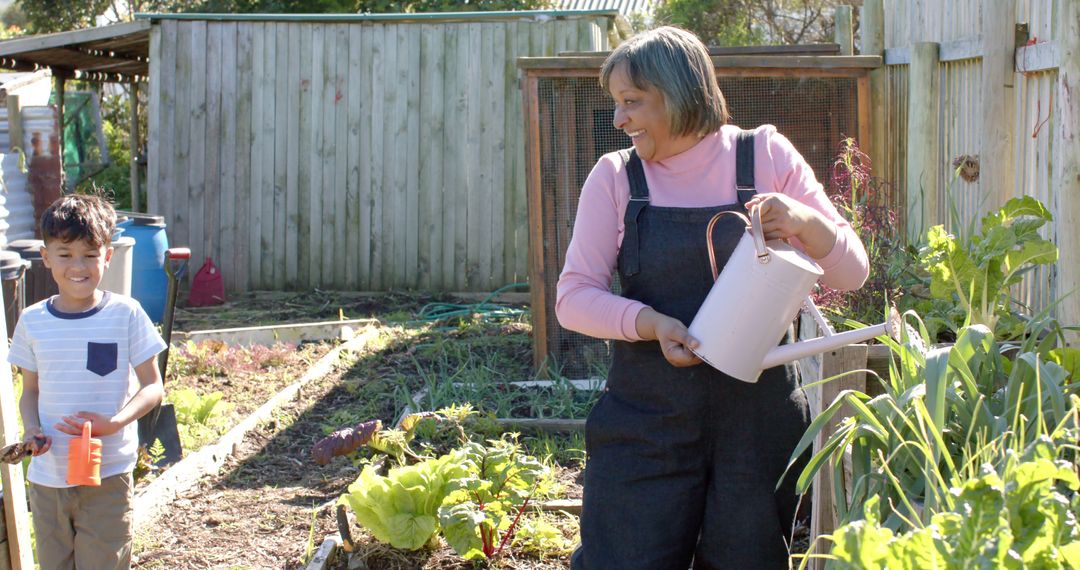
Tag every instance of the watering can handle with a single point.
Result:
(86, 442)
(755, 231)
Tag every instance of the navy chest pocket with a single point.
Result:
(101, 357)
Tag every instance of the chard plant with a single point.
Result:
(978, 272)
(474, 497)
(1022, 514)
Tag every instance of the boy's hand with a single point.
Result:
(99, 424)
(37, 442)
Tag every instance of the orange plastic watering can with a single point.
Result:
(84, 459)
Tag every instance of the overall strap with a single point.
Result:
(639, 198)
(744, 167)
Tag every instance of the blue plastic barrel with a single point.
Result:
(149, 284)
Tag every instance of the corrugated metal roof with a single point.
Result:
(409, 17)
(624, 7)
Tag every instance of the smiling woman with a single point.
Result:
(683, 460)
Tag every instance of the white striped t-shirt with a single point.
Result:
(85, 362)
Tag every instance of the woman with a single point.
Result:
(683, 461)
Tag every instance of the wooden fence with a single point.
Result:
(983, 79)
(350, 152)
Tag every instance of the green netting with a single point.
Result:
(85, 152)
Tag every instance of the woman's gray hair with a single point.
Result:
(675, 62)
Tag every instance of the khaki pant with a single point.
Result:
(85, 528)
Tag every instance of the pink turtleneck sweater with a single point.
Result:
(702, 176)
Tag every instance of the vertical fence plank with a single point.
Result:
(196, 189)
(410, 58)
(497, 133)
(245, 61)
(276, 253)
(521, 205)
(289, 214)
(337, 258)
(179, 191)
(393, 235)
(328, 153)
(368, 150)
(923, 142)
(306, 158)
(153, 121)
(997, 156)
(259, 93)
(475, 180)
(1067, 164)
(467, 46)
(263, 256)
(453, 130)
(380, 61)
(432, 71)
(164, 184)
(483, 190)
(227, 196)
(315, 154)
(211, 201)
(353, 271)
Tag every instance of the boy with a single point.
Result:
(82, 354)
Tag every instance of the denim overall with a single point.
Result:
(683, 462)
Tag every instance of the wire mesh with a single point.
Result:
(575, 116)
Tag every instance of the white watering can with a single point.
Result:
(754, 300)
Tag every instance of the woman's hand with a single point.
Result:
(675, 340)
(783, 217)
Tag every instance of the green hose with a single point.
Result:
(484, 310)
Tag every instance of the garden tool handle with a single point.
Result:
(176, 254)
(755, 231)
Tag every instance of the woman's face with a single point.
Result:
(642, 115)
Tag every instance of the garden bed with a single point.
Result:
(271, 507)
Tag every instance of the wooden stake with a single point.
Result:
(872, 29)
(15, 513)
(843, 29)
(133, 138)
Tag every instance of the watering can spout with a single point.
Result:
(802, 349)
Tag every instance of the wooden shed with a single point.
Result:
(364, 152)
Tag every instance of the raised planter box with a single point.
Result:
(151, 499)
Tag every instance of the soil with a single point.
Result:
(270, 506)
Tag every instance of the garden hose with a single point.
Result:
(484, 310)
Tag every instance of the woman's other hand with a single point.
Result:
(675, 340)
(783, 217)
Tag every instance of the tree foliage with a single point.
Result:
(751, 22)
(47, 16)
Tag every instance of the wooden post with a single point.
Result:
(997, 155)
(133, 137)
(1066, 160)
(529, 107)
(924, 164)
(842, 29)
(15, 513)
(15, 130)
(872, 28)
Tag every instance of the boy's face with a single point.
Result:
(77, 267)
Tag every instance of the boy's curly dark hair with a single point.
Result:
(79, 217)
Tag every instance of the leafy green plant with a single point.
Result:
(977, 273)
(193, 408)
(1019, 518)
(944, 412)
(475, 495)
(537, 536)
(481, 516)
(402, 508)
